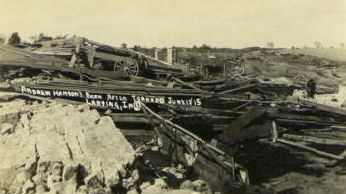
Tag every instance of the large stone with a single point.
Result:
(55, 147)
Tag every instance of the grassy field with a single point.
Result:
(335, 54)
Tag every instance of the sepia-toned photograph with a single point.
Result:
(172, 97)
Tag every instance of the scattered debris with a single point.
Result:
(199, 127)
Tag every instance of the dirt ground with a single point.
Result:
(283, 170)
(294, 183)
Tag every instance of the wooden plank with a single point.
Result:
(187, 84)
(310, 149)
(238, 89)
(312, 139)
(119, 89)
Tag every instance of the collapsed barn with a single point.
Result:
(199, 123)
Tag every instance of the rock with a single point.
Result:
(159, 186)
(201, 186)
(28, 187)
(272, 105)
(70, 171)
(176, 172)
(160, 183)
(82, 190)
(133, 191)
(3, 191)
(130, 182)
(145, 185)
(299, 93)
(52, 145)
(82, 108)
(187, 185)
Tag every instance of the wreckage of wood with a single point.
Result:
(187, 84)
(310, 149)
(149, 57)
(305, 121)
(183, 137)
(120, 88)
(238, 89)
(316, 140)
(185, 131)
(66, 69)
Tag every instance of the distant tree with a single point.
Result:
(2, 39)
(123, 45)
(14, 39)
(318, 44)
(205, 47)
(43, 37)
(137, 47)
(342, 45)
(194, 47)
(270, 44)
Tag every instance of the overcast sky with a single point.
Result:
(164, 23)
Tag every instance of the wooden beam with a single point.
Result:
(187, 84)
(312, 139)
(238, 89)
(307, 148)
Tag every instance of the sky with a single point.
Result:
(166, 23)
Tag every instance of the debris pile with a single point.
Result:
(61, 148)
(202, 125)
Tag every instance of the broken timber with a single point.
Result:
(31, 60)
(225, 172)
(122, 96)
